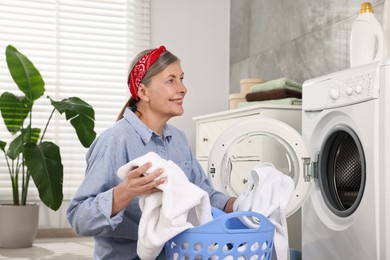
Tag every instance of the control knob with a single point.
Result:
(349, 91)
(334, 93)
(359, 89)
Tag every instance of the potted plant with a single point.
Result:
(29, 155)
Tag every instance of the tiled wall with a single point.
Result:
(297, 39)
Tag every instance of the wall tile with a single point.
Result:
(238, 71)
(239, 30)
(326, 50)
(307, 16)
(290, 62)
(265, 66)
(268, 26)
(297, 39)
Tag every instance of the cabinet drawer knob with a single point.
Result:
(244, 181)
(205, 139)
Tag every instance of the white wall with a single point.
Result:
(198, 32)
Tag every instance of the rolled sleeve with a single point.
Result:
(105, 206)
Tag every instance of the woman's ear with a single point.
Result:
(143, 92)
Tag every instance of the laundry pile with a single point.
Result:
(268, 192)
(280, 91)
(181, 205)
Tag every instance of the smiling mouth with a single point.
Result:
(177, 100)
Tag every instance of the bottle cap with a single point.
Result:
(366, 7)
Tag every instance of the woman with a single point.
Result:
(107, 207)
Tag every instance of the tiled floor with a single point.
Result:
(53, 248)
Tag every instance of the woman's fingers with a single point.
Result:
(141, 182)
(139, 171)
(137, 183)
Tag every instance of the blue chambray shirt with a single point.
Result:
(90, 209)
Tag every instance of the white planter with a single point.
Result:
(18, 225)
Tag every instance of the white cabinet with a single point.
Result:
(210, 127)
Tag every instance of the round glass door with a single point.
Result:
(246, 151)
(240, 148)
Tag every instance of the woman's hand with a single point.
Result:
(229, 205)
(137, 183)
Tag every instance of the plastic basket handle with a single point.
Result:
(220, 223)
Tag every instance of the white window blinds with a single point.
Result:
(82, 48)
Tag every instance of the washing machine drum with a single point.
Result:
(241, 147)
(342, 171)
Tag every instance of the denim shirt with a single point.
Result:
(90, 209)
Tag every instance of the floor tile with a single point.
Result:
(53, 248)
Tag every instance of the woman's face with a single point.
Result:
(166, 92)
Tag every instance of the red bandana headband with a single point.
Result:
(140, 69)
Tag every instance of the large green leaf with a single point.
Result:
(81, 116)
(2, 145)
(24, 73)
(16, 146)
(14, 110)
(44, 164)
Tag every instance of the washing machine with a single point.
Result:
(340, 163)
(345, 123)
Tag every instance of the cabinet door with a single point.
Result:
(203, 163)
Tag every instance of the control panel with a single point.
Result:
(352, 89)
(342, 88)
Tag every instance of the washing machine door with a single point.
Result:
(242, 146)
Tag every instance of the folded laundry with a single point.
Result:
(273, 94)
(283, 101)
(180, 205)
(276, 84)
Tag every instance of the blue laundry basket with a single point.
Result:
(225, 237)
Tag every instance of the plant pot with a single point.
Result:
(18, 225)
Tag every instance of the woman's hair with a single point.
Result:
(163, 61)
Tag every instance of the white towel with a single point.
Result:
(268, 192)
(180, 205)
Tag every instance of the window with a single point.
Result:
(82, 48)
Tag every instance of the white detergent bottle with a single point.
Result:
(366, 42)
(386, 29)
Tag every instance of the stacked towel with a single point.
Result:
(277, 84)
(180, 205)
(283, 101)
(277, 89)
(268, 192)
(273, 94)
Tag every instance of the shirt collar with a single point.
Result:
(143, 131)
